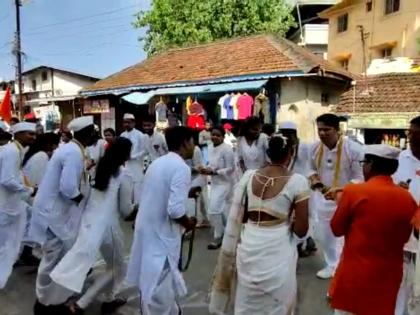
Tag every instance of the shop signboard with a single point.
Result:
(381, 121)
(96, 106)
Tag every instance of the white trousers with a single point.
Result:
(406, 301)
(47, 291)
(331, 245)
(218, 223)
(137, 189)
(164, 300)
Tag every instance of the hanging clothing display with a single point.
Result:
(233, 103)
(244, 105)
(188, 104)
(196, 115)
(262, 106)
(225, 99)
(161, 112)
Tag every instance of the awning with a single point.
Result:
(139, 98)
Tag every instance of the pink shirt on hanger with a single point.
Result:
(244, 106)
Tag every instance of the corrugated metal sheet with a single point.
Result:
(142, 98)
(129, 89)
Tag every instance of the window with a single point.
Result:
(386, 53)
(392, 6)
(369, 5)
(344, 64)
(44, 76)
(33, 85)
(342, 22)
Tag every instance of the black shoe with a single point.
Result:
(310, 245)
(214, 245)
(27, 259)
(302, 252)
(110, 307)
(40, 309)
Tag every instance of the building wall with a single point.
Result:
(402, 27)
(67, 84)
(63, 83)
(301, 102)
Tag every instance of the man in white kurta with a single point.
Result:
(335, 162)
(56, 215)
(14, 198)
(155, 252)
(408, 176)
(135, 165)
(156, 143)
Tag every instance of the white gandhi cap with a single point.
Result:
(383, 151)
(23, 126)
(129, 116)
(79, 123)
(288, 125)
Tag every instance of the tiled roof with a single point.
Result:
(393, 92)
(255, 55)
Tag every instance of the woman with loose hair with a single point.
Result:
(100, 232)
(259, 257)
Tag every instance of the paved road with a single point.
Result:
(19, 296)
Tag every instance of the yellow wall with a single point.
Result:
(402, 26)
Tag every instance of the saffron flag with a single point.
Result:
(6, 106)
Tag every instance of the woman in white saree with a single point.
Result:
(256, 270)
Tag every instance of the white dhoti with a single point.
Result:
(266, 262)
(407, 303)
(332, 246)
(137, 189)
(49, 292)
(164, 300)
(12, 230)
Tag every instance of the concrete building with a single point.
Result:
(311, 31)
(50, 91)
(298, 84)
(365, 32)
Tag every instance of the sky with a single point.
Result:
(93, 37)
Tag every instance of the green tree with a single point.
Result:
(177, 23)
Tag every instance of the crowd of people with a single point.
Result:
(265, 195)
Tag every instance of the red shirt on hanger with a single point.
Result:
(244, 106)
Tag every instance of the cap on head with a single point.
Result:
(129, 116)
(227, 126)
(23, 126)
(288, 125)
(80, 123)
(383, 151)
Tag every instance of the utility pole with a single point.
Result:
(362, 36)
(18, 52)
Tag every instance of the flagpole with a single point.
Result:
(19, 58)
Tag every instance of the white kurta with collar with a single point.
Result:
(156, 146)
(135, 165)
(53, 207)
(14, 197)
(157, 237)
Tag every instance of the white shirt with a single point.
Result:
(409, 169)
(13, 192)
(350, 168)
(35, 167)
(157, 237)
(135, 165)
(230, 139)
(197, 180)
(53, 204)
(254, 155)
(156, 146)
(301, 164)
(222, 161)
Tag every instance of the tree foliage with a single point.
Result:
(177, 23)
